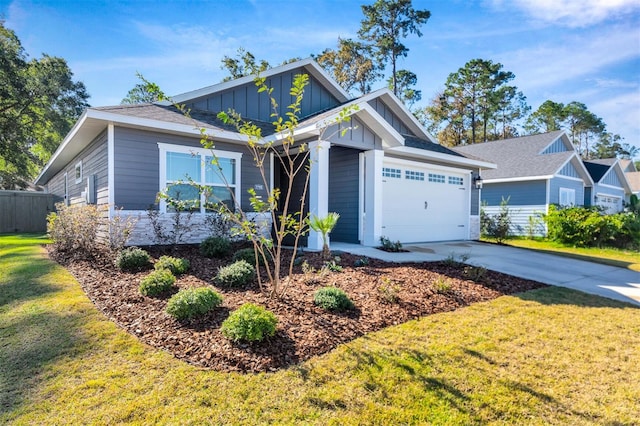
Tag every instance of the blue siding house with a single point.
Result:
(383, 173)
(611, 186)
(533, 172)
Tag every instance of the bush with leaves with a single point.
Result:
(387, 245)
(250, 323)
(497, 226)
(176, 265)
(332, 299)
(193, 302)
(215, 247)
(133, 259)
(157, 282)
(74, 228)
(235, 275)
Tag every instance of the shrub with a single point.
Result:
(157, 282)
(248, 255)
(332, 299)
(497, 226)
(120, 228)
(389, 290)
(74, 228)
(193, 302)
(235, 275)
(442, 285)
(475, 273)
(133, 259)
(215, 247)
(250, 323)
(387, 245)
(175, 265)
(359, 263)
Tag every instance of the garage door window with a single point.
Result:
(413, 175)
(436, 178)
(454, 180)
(391, 173)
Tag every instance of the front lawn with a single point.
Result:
(543, 357)
(609, 256)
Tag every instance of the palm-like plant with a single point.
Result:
(324, 225)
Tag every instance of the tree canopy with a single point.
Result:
(39, 102)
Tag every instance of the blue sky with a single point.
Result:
(563, 50)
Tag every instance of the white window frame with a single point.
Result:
(164, 148)
(570, 194)
(77, 167)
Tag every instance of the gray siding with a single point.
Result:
(618, 192)
(520, 193)
(344, 164)
(558, 182)
(475, 200)
(250, 104)
(557, 146)
(358, 135)
(137, 163)
(389, 116)
(94, 162)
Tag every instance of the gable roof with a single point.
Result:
(521, 159)
(634, 181)
(600, 168)
(627, 165)
(597, 170)
(308, 64)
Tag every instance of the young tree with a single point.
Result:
(385, 24)
(39, 102)
(351, 65)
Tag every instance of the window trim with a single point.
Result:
(570, 191)
(75, 171)
(164, 148)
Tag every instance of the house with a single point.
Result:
(632, 175)
(532, 173)
(611, 188)
(385, 176)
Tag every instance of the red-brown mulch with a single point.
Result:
(304, 330)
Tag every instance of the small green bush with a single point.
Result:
(249, 322)
(175, 265)
(215, 247)
(387, 245)
(359, 263)
(193, 302)
(157, 282)
(133, 259)
(442, 286)
(332, 299)
(249, 256)
(235, 275)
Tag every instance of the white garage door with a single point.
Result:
(611, 204)
(424, 203)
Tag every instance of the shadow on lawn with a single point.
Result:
(23, 275)
(565, 296)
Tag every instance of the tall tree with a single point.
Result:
(352, 65)
(475, 98)
(583, 126)
(385, 24)
(39, 102)
(548, 117)
(610, 145)
(141, 93)
(406, 81)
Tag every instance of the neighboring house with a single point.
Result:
(611, 188)
(532, 173)
(632, 175)
(385, 176)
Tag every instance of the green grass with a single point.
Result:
(551, 356)
(609, 256)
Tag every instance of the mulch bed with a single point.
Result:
(304, 330)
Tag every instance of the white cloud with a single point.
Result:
(621, 114)
(575, 13)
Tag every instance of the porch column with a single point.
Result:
(318, 187)
(372, 220)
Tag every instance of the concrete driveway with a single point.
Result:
(602, 280)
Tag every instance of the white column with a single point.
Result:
(372, 229)
(318, 187)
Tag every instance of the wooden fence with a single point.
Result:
(24, 211)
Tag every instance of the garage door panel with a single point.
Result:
(416, 209)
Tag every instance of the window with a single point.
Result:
(392, 173)
(567, 197)
(436, 178)
(413, 175)
(181, 168)
(455, 180)
(78, 172)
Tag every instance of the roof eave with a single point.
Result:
(447, 158)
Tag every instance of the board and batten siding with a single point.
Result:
(558, 182)
(524, 193)
(391, 118)
(555, 147)
(249, 103)
(344, 197)
(137, 167)
(358, 135)
(94, 163)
